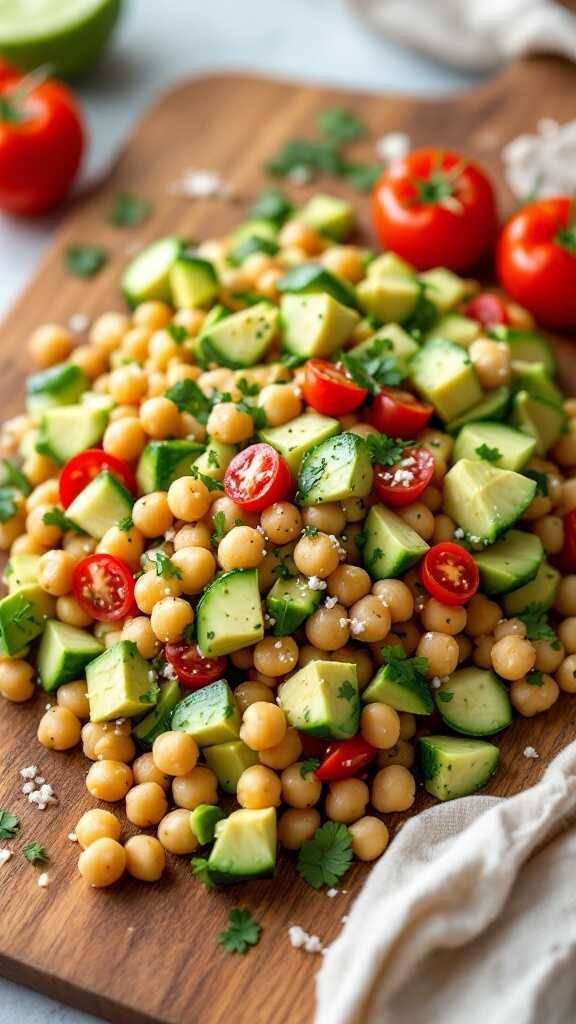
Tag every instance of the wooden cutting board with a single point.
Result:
(137, 953)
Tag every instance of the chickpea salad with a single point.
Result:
(283, 538)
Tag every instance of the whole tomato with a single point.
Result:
(41, 143)
(536, 259)
(435, 208)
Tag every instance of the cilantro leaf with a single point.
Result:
(422, 318)
(271, 204)
(309, 766)
(541, 481)
(219, 523)
(85, 260)
(489, 454)
(14, 476)
(213, 459)
(165, 566)
(347, 691)
(406, 670)
(247, 389)
(9, 825)
(387, 451)
(306, 158)
(209, 483)
(56, 517)
(535, 618)
(126, 524)
(178, 333)
(242, 931)
(128, 211)
(340, 124)
(189, 398)
(535, 678)
(327, 856)
(445, 696)
(8, 506)
(35, 853)
(258, 415)
(151, 695)
(374, 367)
(200, 869)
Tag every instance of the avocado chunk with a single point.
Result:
(390, 265)
(210, 715)
(100, 505)
(229, 614)
(391, 546)
(297, 437)
(66, 431)
(290, 602)
(335, 470)
(510, 563)
(245, 847)
(203, 821)
(493, 407)
(457, 328)
(23, 615)
(410, 694)
(215, 460)
(20, 570)
(158, 720)
(474, 702)
(514, 448)
(541, 590)
(162, 462)
(243, 338)
(455, 767)
(399, 342)
(444, 289)
(147, 276)
(484, 500)
(64, 653)
(313, 279)
(228, 761)
(330, 215)
(193, 282)
(543, 420)
(315, 325)
(121, 684)
(444, 376)
(530, 347)
(389, 298)
(535, 379)
(60, 385)
(322, 699)
(255, 227)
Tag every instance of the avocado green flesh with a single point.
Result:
(228, 761)
(388, 298)
(331, 216)
(444, 376)
(335, 470)
(69, 430)
(210, 715)
(23, 615)
(322, 699)
(455, 767)
(64, 653)
(484, 500)
(241, 339)
(158, 720)
(66, 35)
(510, 563)
(20, 570)
(391, 546)
(245, 846)
(289, 603)
(444, 289)
(147, 276)
(121, 684)
(203, 821)
(474, 702)
(543, 420)
(299, 436)
(512, 448)
(229, 614)
(193, 283)
(493, 407)
(541, 590)
(315, 325)
(413, 696)
(100, 505)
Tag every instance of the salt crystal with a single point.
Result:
(531, 753)
(43, 880)
(331, 893)
(72, 837)
(5, 856)
(315, 583)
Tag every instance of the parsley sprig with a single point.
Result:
(535, 618)
(85, 260)
(242, 931)
(165, 566)
(35, 853)
(489, 454)
(327, 856)
(189, 398)
(374, 367)
(56, 517)
(219, 523)
(406, 670)
(387, 451)
(9, 825)
(209, 483)
(128, 211)
(200, 869)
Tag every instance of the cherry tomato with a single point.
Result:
(398, 413)
(404, 482)
(566, 562)
(435, 208)
(82, 468)
(487, 309)
(41, 143)
(103, 587)
(192, 668)
(449, 573)
(329, 391)
(536, 260)
(8, 71)
(345, 759)
(257, 477)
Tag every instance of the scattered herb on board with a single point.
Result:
(200, 869)
(9, 825)
(242, 931)
(85, 260)
(327, 856)
(35, 853)
(128, 211)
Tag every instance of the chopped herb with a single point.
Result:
(309, 766)
(9, 825)
(213, 459)
(271, 204)
(307, 158)
(15, 477)
(375, 367)
(189, 398)
(128, 211)
(219, 523)
(310, 478)
(126, 524)
(489, 454)
(282, 570)
(8, 506)
(178, 333)
(327, 856)
(535, 678)
(541, 481)
(165, 566)
(535, 618)
(291, 360)
(387, 451)
(242, 931)
(85, 260)
(210, 634)
(228, 711)
(310, 531)
(209, 483)
(200, 869)
(406, 670)
(347, 691)
(446, 696)
(422, 318)
(258, 415)
(245, 388)
(361, 176)
(35, 853)
(56, 517)
(340, 125)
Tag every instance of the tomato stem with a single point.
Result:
(566, 236)
(13, 100)
(440, 186)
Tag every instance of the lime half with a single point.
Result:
(66, 34)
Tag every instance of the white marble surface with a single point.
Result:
(318, 40)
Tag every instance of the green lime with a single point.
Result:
(66, 34)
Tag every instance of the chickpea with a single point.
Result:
(151, 514)
(97, 824)
(566, 674)
(175, 753)
(380, 726)
(128, 545)
(492, 362)
(346, 800)
(482, 654)
(393, 789)
(258, 787)
(297, 825)
(39, 468)
(229, 424)
(16, 680)
(59, 729)
(200, 786)
(193, 535)
(263, 725)
(144, 770)
(115, 746)
(564, 451)
(298, 234)
(108, 330)
(50, 344)
(74, 697)
(407, 725)
(328, 518)
(241, 548)
(441, 651)
(565, 600)
(197, 566)
(189, 499)
(402, 753)
(370, 837)
(349, 583)
(145, 858)
(549, 656)
(370, 619)
(175, 834)
(432, 498)
(24, 545)
(276, 656)
(160, 418)
(39, 530)
(397, 598)
(267, 282)
(280, 402)
(152, 315)
(78, 545)
(567, 636)
(512, 657)
(234, 515)
(47, 493)
(483, 616)
(550, 530)
(419, 518)
(358, 657)
(568, 499)
(91, 733)
(316, 556)
(243, 658)
(139, 631)
(146, 804)
(281, 522)
(109, 780)
(103, 863)
(90, 359)
(259, 677)
(284, 753)
(443, 618)
(125, 438)
(346, 261)
(530, 699)
(128, 384)
(150, 589)
(328, 628)
(170, 617)
(510, 627)
(135, 344)
(252, 693)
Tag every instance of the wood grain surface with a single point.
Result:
(141, 954)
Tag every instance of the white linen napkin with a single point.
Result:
(470, 916)
(474, 34)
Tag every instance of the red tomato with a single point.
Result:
(404, 482)
(312, 746)
(103, 587)
(8, 71)
(449, 573)
(398, 413)
(345, 759)
(536, 260)
(257, 477)
(41, 143)
(192, 668)
(82, 468)
(329, 391)
(435, 208)
(567, 560)
(487, 309)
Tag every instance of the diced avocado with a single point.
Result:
(315, 325)
(314, 279)
(535, 379)
(443, 374)
(543, 420)
(203, 821)
(23, 615)
(229, 614)
(193, 282)
(121, 684)
(27, 446)
(335, 470)
(410, 695)
(297, 437)
(245, 847)
(216, 458)
(20, 570)
(210, 715)
(93, 400)
(147, 276)
(158, 720)
(60, 385)
(391, 546)
(64, 653)
(510, 563)
(457, 328)
(290, 602)
(474, 702)
(493, 407)
(402, 346)
(228, 761)
(330, 215)
(322, 699)
(454, 767)
(388, 298)
(162, 462)
(484, 500)
(515, 448)
(66, 431)
(444, 289)
(390, 265)
(100, 505)
(255, 228)
(243, 338)
(541, 590)
(530, 347)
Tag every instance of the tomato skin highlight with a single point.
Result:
(435, 208)
(439, 583)
(193, 670)
(329, 391)
(398, 413)
(399, 494)
(103, 586)
(346, 759)
(82, 468)
(257, 477)
(487, 309)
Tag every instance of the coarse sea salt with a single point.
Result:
(5, 856)
(542, 163)
(531, 753)
(44, 880)
(315, 583)
(201, 184)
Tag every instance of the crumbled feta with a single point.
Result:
(331, 893)
(436, 682)
(201, 184)
(315, 583)
(458, 533)
(392, 146)
(330, 602)
(300, 939)
(28, 787)
(343, 622)
(544, 162)
(39, 780)
(531, 753)
(167, 672)
(78, 323)
(29, 773)
(357, 626)
(72, 837)
(43, 880)
(43, 796)
(170, 534)
(404, 477)
(5, 856)
(278, 645)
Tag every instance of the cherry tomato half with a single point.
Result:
(192, 668)
(103, 587)
(404, 482)
(449, 573)
(82, 468)
(487, 309)
(398, 413)
(257, 477)
(343, 760)
(329, 391)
